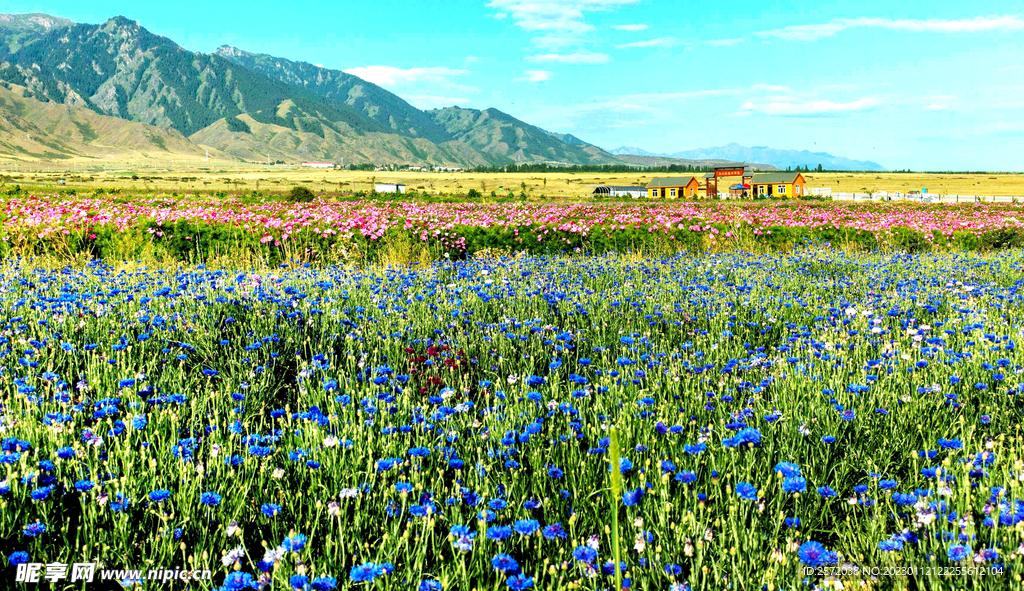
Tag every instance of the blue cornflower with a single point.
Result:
(505, 563)
(958, 552)
(814, 554)
(788, 469)
(270, 509)
(325, 584)
(211, 499)
(746, 491)
(33, 530)
(554, 532)
(19, 557)
(367, 571)
(158, 496)
(294, 543)
(499, 533)
(585, 554)
(632, 497)
(519, 582)
(796, 484)
(526, 527)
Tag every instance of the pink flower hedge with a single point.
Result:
(276, 221)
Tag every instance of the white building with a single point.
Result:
(389, 188)
(619, 191)
(319, 164)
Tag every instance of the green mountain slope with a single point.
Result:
(119, 68)
(386, 108)
(15, 29)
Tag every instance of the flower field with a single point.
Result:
(705, 421)
(191, 228)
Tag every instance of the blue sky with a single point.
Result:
(925, 85)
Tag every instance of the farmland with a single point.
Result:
(195, 175)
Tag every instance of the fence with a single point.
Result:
(927, 198)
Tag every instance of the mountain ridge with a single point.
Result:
(776, 157)
(256, 106)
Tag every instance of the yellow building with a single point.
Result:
(783, 185)
(672, 187)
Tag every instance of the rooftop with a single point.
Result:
(768, 178)
(669, 181)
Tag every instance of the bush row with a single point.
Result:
(194, 242)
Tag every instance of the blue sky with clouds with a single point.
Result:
(922, 85)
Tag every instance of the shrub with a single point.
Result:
(300, 195)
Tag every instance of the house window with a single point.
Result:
(653, 193)
(781, 189)
(760, 189)
(672, 192)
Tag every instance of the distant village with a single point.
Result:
(724, 182)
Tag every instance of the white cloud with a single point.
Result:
(427, 101)
(471, 59)
(535, 76)
(595, 117)
(391, 76)
(500, 15)
(554, 15)
(968, 25)
(724, 42)
(630, 27)
(771, 88)
(557, 42)
(659, 42)
(657, 97)
(1003, 127)
(795, 108)
(942, 102)
(571, 58)
(1011, 69)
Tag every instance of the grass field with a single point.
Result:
(195, 175)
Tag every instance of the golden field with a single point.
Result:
(196, 175)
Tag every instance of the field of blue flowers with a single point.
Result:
(451, 426)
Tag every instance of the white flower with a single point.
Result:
(233, 530)
(275, 555)
(233, 556)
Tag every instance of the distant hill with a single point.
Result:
(779, 158)
(30, 129)
(496, 133)
(638, 160)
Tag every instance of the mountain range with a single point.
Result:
(72, 89)
(779, 158)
